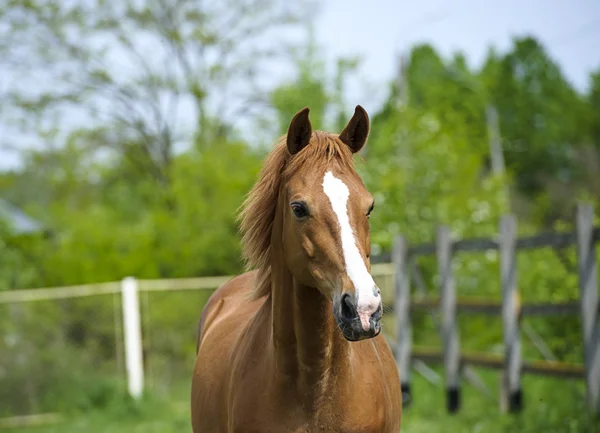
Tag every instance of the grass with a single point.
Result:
(551, 405)
(150, 415)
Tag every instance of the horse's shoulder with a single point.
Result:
(236, 286)
(225, 296)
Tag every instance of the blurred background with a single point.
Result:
(130, 132)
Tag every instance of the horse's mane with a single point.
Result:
(258, 210)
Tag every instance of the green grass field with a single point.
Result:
(551, 405)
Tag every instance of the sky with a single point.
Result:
(380, 30)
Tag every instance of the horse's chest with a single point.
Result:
(331, 416)
(364, 403)
(362, 415)
(294, 422)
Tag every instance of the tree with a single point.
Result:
(142, 79)
(531, 94)
(593, 100)
(314, 87)
(308, 88)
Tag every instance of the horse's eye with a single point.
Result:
(300, 210)
(370, 210)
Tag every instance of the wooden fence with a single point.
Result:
(510, 309)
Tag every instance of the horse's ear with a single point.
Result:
(299, 132)
(356, 132)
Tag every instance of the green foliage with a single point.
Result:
(422, 176)
(531, 94)
(594, 103)
(50, 362)
(312, 87)
(308, 89)
(188, 229)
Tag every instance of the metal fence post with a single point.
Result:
(133, 337)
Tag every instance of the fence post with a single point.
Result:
(133, 337)
(403, 319)
(449, 328)
(511, 397)
(588, 284)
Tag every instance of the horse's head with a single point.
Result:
(326, 212)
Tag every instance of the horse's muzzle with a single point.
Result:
(347, 317)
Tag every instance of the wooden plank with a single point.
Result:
(511, 394)
(540, 368)
(52, 293)
(403, 321)
(449, 326)
(422, 249)
(554, 369)
(588, 283)
(475, 244)
(485, 360)
(550, 309)
(463, 305)
(384, 257)
(541, 240)
(496, 362)
(427, 354)
(477, 359)
(547, 239)
(494, 308)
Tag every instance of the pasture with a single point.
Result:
(550, 405)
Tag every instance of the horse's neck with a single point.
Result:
(309, 349)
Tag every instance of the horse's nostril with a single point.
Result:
(348, 309)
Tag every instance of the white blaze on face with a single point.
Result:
(367, 299)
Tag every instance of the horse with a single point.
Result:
(294, 344)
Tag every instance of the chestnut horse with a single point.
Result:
(294, 345)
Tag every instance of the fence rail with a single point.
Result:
(53, 293)
(158, 285)
(552, 239)
(494, 308)
(509, 309)
(543, 368)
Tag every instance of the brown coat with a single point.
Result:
(294, 346)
